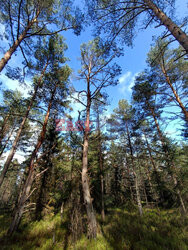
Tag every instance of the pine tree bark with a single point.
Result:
(178, 34)
(15, 143)
(92, 223)
(4, 60)
(26, 192)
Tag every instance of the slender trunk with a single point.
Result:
(181, 201)
(92, 223)
(26, 192)
(134, 172)
(21, 204)
(129, 179)
(15, 143)
(142, 181)
(138, 193)
(150, 154)
(102, 196)
(145, 194)
(153, 193)
(179, 35)
(39, 205)
(4, 60)
(61, 210)
(156, 124)
(154, 167)
(101, 167)
(178, 191)
(185, 112)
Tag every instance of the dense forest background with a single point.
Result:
(76, 174)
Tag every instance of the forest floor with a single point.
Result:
(122, 229)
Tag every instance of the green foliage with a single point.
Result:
(119, 19)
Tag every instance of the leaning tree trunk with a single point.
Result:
(15, 143)
(183, 108)
(179, 35)
(26, 192)
(4, 60)
(138, 198)
(92, 223)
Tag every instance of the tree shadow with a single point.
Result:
(154, 230)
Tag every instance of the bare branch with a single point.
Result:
(19, 10)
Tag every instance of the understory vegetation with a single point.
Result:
(122, 229)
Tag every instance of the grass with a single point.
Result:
(122, 229)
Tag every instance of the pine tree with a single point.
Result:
(119, 18)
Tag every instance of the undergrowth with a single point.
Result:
(122, 229)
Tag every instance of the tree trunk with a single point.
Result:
(138, 194)
(178, 34)
(178, 191)
(145, 194)
(154, 167)
(4, 60)
(19, 210)
(134, 172)
(153, 193)
(185, 112)
(101, 166)
(102, 195)
(181, 201)
(15, 143)
(129, 179)
(26, 192)
(92, 223)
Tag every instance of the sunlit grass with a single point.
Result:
(122, 229)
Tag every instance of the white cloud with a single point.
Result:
(125, 77)
(14, 84)
(126, 82)
(18, 156)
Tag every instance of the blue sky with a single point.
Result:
(131, 63)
